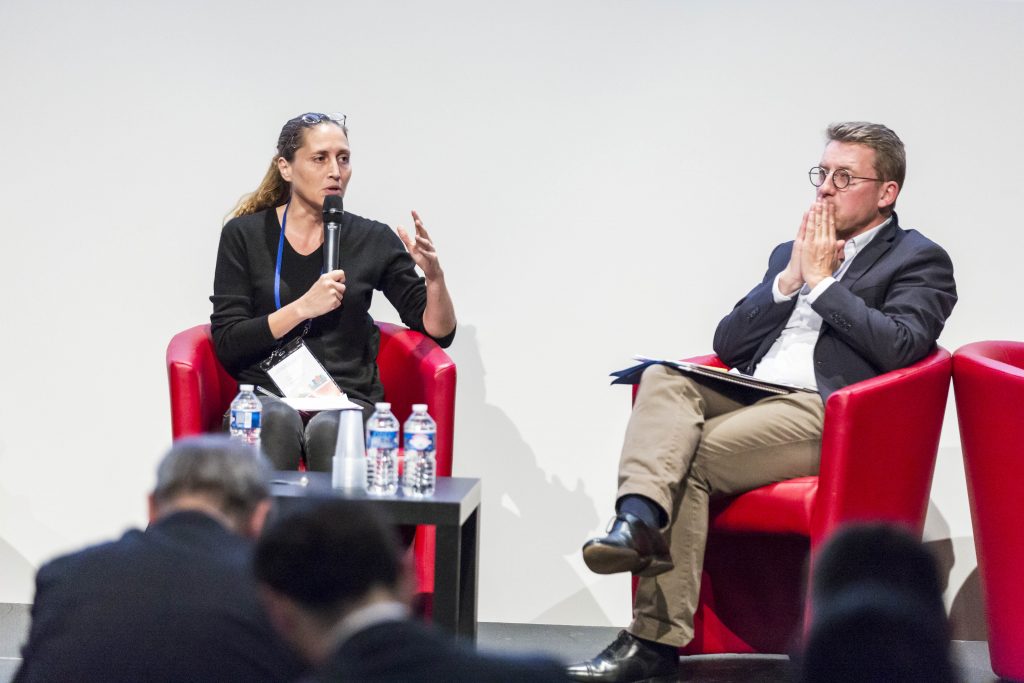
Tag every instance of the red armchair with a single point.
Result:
(878, 450)
(413, 369)
(988, 382)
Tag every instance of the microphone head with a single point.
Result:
(333, 209)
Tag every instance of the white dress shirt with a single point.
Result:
(791, 357)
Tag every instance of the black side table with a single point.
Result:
(454, 509)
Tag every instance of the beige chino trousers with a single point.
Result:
(686, 443)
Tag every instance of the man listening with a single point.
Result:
(853, 296)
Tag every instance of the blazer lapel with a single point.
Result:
(875, 250)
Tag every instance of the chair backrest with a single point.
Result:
(201, 389)
(413, 369)
(988, 382)
(879, 445)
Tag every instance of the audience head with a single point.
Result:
(217, 475)
(877, 610)
(871, 632)
(320, 563)
(881, 554)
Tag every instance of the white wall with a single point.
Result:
(601, 178)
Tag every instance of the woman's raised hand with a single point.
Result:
(421, 248)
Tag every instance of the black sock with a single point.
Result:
(644, 509)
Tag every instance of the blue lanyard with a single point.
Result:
(280, 253)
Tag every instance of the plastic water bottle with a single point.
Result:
(246, 411)
(420, 436)
(382, 451)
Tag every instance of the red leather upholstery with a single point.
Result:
(878, 450)
(413, 369)
(988, 381)
(201, 389)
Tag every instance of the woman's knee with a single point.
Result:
(281, 434)
(321, 439)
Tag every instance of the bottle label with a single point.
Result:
(245, 419)
(383, 439)
(419, 441)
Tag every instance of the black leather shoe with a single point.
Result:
(629, 546)
(627, 659)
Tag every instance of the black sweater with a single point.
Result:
(344, 340)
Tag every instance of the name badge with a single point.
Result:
(298, 374)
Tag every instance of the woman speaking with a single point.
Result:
(270, 289)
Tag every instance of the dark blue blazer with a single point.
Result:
(401, 651)
(175, 602)
(885, 313)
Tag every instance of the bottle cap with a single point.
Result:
(245, 387)
(382, 406)
(419, 407)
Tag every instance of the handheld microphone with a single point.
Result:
(333, 211)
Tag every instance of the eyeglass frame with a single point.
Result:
(312, 118)
(827, 174)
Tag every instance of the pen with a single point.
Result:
(264, 391)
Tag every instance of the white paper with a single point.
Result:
(311, 404)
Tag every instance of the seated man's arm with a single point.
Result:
(757, 315)
(913, 311)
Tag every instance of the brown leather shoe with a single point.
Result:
(629, 546)
(627, 659)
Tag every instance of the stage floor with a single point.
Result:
(568, 643)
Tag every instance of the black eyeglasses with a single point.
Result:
(313, 118)
(840, 177)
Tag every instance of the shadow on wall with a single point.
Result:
(525, 509)
(967, 612)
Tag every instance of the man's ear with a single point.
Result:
(279, 609)
(887, 197)
(258, 519)
(154, 511)
(294, 626)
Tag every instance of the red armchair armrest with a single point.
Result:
(879, 445)
(414, 369)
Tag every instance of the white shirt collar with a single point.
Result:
(365, 617)
(856, 244)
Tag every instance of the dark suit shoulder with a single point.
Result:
(406, 650)
(175, 602)
(914, 252)
(915, 240)
(99, 554)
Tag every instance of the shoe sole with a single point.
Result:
(604, 559)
